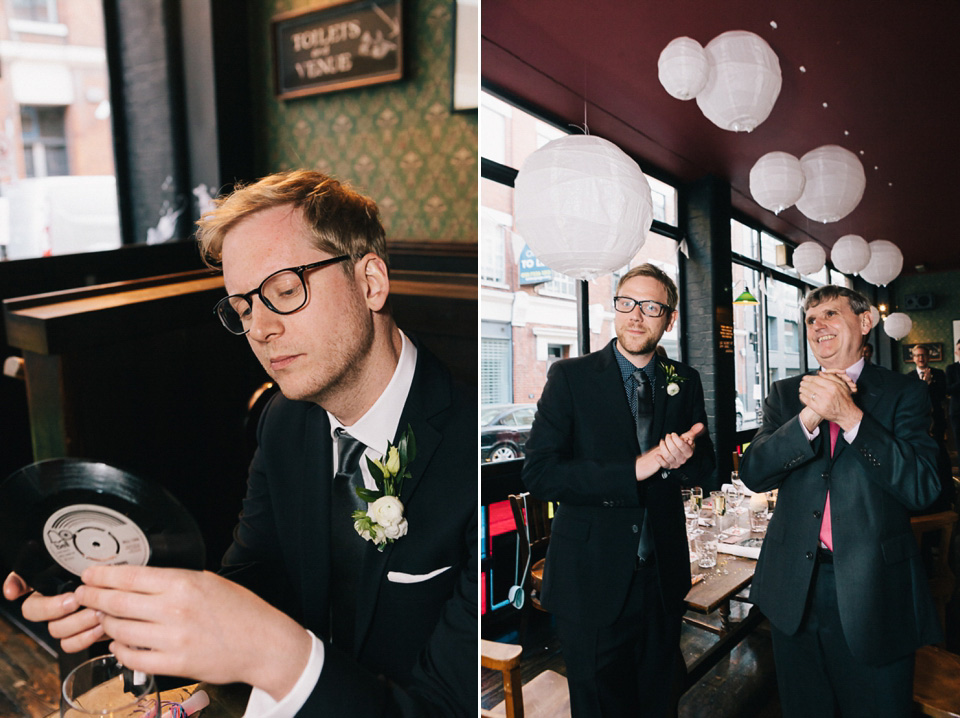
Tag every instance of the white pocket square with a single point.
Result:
(400, 577)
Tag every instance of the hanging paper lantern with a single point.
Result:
(683, 68)
(582, 205)
(874, 316)
(835, 183)
(743, 83)
(885, 264)
(776, 181)
(897, 325)
(850, 254)
(809, 258)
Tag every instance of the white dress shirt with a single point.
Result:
(375, 429)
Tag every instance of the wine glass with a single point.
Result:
(696, 505)
(104, 687)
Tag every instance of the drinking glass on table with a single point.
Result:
(105, 688)
(718, 499)
(734, 497)
(706, 548)
(696, 504)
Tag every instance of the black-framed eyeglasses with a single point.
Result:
(648, 307)
(283, 292)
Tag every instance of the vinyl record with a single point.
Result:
(59, 516)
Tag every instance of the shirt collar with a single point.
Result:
(854, 371)
(627, 367)
(378, 426)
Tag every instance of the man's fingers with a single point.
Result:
(83, 641)
(41, 609)
(74, 624)
(14, 587)
(693, 432)
(136, 579)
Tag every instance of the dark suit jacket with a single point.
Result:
(882, 591)
(581, 452)
(937, 390)
(416, 643)
(952, 386)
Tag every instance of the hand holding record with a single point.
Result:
(76, 629)
(59, 516)
(195, 624)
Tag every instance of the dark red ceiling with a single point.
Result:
(888, 72)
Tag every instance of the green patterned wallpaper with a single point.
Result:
(398, 142)
(931, 325)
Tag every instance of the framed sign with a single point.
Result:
(934, 349)
(348, 44)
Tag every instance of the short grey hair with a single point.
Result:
(858, 303)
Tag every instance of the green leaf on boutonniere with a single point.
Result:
(368, 495)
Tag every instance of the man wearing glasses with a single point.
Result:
(321, 616)
(615, 435)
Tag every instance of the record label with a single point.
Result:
(82, 535)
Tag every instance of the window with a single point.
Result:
(560, 284)
(58, 177)
(791, 337)
(34, 10)
(44, 141)
(495, 367)
(493, 226)
(772, 334)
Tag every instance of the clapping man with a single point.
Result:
(936, 384)
(615, 434)
(839, 574)
(317, 617)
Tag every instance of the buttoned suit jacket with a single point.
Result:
(890, 469)
(415, 642)
(581, 453)
(937, 391)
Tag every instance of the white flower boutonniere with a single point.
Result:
(383, 521)
(673, 379)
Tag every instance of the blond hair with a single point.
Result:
(340, 220)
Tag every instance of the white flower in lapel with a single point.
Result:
(382, 521)
(673, 379)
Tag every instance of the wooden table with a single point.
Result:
(225, 701)
(30, 682)
(720, 585)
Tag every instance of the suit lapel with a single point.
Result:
(315, 492)
(660, 397)
(428, 395)
(609, 392)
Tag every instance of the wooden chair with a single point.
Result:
(546, 696)
(532, 518)
(936, 677)
(942, 580)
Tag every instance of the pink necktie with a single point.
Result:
(826, 527)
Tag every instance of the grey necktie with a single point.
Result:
(644, 421)
(346, 545)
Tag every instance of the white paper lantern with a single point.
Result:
(874, 317)
(776, 181)
(582, 205)
(809, 258)
(743, 83)
(850, 254)
(885, 263)
(683, 68)
(897, 325)
(835, 183)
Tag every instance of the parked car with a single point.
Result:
(504, 429)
